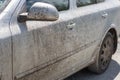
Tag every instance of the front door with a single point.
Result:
(37, 44)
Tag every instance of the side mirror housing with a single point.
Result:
(40, 11)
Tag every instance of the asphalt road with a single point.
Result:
(113, 72)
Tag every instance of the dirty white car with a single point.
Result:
(52, 39)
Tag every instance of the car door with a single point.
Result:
(93, 17)
(37, 44)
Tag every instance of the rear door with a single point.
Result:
(92, 18)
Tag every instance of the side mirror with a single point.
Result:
(40, 11)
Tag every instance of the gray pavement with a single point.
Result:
(113, 72)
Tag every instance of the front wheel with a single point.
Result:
(104, 58)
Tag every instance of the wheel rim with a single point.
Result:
(106, 53)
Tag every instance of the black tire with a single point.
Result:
(104, 57)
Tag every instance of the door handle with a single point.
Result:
(71, 26)
(105, 15)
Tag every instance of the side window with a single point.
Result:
(59, 4)
(85, 2)
(100, 1)
(3, 4)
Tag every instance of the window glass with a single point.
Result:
(59, 4)
(100, 1)
(84, 2)
(1, 3)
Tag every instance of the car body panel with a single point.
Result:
(52, 50)
(5, 51)
(6, 65)
(44, 43)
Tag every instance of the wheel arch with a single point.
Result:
(113, 31)
(93, 67)
(114, 34)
